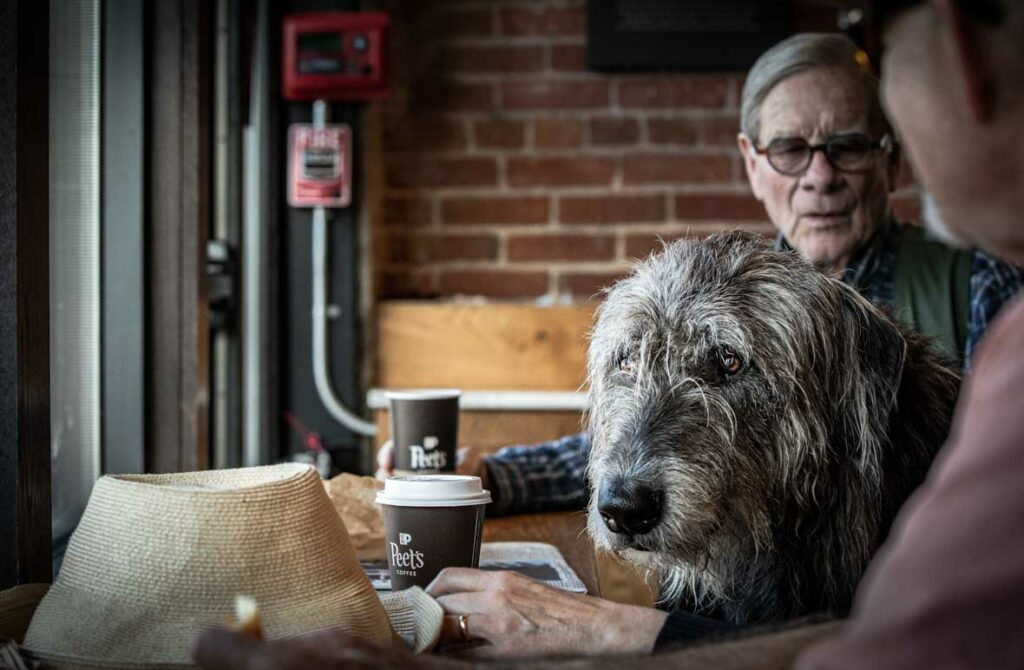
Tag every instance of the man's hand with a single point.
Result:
(520, 617)
(216, 649)
(468, 461)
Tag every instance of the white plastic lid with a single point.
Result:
(433, 491)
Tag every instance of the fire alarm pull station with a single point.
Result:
(320, 165)
(335, 56)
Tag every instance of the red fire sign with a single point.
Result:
(320, 165)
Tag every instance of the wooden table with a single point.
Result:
(565, 530)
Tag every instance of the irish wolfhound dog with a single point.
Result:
(755, 425)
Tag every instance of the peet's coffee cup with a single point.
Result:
(424, 430)
(431, 522)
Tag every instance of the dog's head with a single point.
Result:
(729, 380)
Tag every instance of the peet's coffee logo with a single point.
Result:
(427, 456)
(408, 558)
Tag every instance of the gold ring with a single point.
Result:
(464, 626)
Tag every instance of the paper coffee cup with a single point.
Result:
(424, 430)
(431, 522)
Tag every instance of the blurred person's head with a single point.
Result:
(808, 90)
(953, 80)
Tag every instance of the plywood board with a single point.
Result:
(483, 347)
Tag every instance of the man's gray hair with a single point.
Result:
(801, 53)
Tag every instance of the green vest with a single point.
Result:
(933, 290)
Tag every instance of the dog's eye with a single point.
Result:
(731, 361)
(626, 364)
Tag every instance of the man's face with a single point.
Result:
(825, 213)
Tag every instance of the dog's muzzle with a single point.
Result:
(629, 508)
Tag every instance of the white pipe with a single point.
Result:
(254, 250)
(321, 375)
(504, 401)
(320, 372)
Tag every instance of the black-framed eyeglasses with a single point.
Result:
(850, 152)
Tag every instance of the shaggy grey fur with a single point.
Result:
(777, 482)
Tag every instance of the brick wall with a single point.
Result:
(513, 172)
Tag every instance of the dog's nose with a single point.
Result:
(629, 509)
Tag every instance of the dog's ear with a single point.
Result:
(868, 375)
(881, 348)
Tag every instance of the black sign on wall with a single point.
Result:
(682, 35)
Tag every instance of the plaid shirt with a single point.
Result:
(552, 475)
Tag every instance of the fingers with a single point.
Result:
(475, 602)
(218, 649)
(450, 629)
(478, 627)
(458, 580)
(385, 460)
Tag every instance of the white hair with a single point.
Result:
(801, 53)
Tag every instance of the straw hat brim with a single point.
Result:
(157, 558)
(415, 617)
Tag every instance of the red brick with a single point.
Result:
(495, 210)
(560, 171)
(907, 208)
(720, 132)
(494, 284)
(424, 171)
(467, 22)
(422, 249)
(561, 248)
(399, 283)
(412, 211)
(554, 94)
(543, 20)
(458, 96)
(678, 91)
(906, 176)
(611, 209)
(568, 58)
(614, 131)
(557, 133)
(673, 131)
(426, 132)
(588, 285)
(499, 133)
(642, 245)
(720, 207)
(668, 168)
(476, 60)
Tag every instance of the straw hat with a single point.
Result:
(156, 558)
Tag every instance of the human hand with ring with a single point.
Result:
(515, 616)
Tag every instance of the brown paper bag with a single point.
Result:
(353, 498)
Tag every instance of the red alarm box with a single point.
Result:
(319, 165)
(335, 56)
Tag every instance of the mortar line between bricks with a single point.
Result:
(588, 150)
(587, 113)
(499, 40)
(652, 188)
